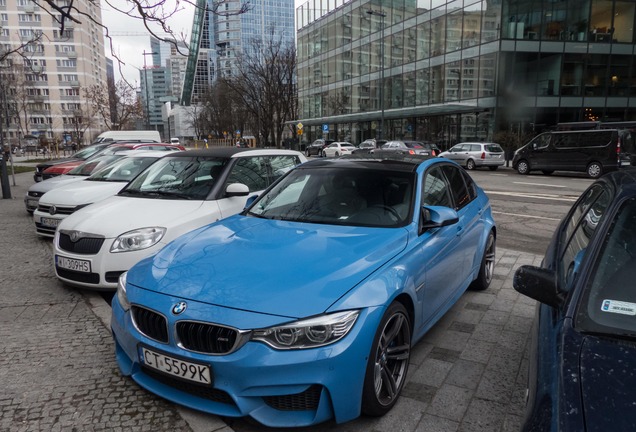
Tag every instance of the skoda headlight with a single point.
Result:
(122, 297)
(309, 333)
(138, 239)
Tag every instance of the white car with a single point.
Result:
(180, 192)
(80, 172)
(338, 149)
(60, 202)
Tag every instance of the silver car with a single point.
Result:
(474, 155)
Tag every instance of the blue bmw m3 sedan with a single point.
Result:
(305, 306)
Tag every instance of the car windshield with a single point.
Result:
(494, 148)
(339, 196)
(609, 302)
(123, 170)
(87, 152)
(178, 178)
(93, 165)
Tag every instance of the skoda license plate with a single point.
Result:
(179, 368)
(73, 264)
(49, 222)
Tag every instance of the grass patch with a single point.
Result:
(20, 169)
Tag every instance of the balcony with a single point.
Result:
(73, 83)
(71, 54)
(29, 8)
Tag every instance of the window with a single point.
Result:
(251, 171)
(280, 165)
(458, 187)
(435, 191)
(578, 230)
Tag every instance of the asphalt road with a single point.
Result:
(528, 208)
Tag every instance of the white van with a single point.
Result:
(128, 135)
(174, 140)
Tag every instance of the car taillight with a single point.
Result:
(433, 153)
(618, 146)
(411, 152)
(483, 155)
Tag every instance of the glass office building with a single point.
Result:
(463, 69)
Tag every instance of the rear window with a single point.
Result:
(413, 145)
(494, 148)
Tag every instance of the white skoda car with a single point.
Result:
(60, 202)
(178, 193)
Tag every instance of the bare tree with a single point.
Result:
(116, 103)
(265, 82)
(223, 113)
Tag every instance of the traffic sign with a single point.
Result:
(299, 126)
(325, 127)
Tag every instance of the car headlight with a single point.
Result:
(122, 297)
(309, 333)
(138, 239)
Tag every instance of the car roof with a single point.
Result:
(397, 162)
(230, 152)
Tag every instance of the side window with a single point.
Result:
(458, 187)
(281, 164)
(251, 171)
(541, 142)
(475, 147)
(581, 235)
(470, 184)
(435, 191)
(581, 208)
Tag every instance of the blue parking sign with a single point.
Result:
(325, 127)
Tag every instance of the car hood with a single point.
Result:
(608, 384)
(117, 215)
(84, 192)
(279, 268)
(54, 182)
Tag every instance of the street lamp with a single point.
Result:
(146, 84)
(382, 15)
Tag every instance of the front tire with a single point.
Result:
(523, 167)
(470, 164)
(594, 170)
(487, 266)
(388, 362)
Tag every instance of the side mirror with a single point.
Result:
(250, 200)
(437, 217)
(236, 189)
(538, 284)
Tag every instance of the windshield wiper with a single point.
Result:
(167, 194)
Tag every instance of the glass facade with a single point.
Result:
(463, 69)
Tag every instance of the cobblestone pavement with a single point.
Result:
(58, 370)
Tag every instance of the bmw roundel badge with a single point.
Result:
(179, 308)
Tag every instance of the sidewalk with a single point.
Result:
(58, 369)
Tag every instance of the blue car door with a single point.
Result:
(469, 209)
(442, 251)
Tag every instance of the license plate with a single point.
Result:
(49, 222)
(179, 368)
(73, 264)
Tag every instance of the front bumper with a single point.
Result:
(45, 223)
(105, 267)
(275, 387)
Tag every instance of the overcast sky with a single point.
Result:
(130, 48)
(131, 39)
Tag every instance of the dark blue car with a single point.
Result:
(583, 354)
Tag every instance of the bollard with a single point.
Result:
(4, 176)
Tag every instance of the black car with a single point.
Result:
(316, 147)
(583, 352)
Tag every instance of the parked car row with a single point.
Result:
(234, 266)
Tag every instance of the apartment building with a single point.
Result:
(44, 96)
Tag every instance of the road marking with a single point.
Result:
(539, 184)
(537, 196)
(526, 216)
